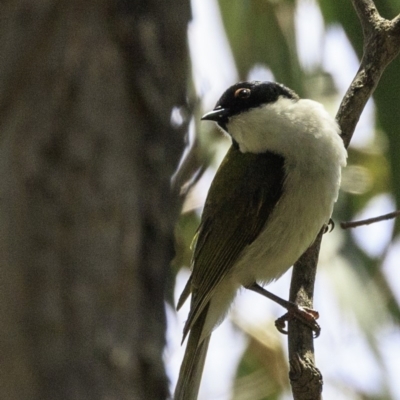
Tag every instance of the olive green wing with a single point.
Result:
(251, 183)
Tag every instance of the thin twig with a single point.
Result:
(355, 224)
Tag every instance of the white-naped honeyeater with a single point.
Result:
(274, 191)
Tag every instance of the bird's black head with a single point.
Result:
(246, 95)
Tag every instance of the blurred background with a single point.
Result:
(314, 47)
(100, 105)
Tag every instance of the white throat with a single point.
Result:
(295, 129)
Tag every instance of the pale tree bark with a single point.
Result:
(381, 46)
(86, 213)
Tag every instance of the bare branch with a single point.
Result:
(381, 46)
(367, 14)
(355, 224)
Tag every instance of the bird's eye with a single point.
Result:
(242, 93)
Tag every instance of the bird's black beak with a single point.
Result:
(219, 115)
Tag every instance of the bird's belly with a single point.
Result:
(290, 230)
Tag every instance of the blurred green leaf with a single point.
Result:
(387, 98)
(262, 32)
(262, 372)
(184, 233)
(367, 175)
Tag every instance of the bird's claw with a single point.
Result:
(330, 226)
(306, 315)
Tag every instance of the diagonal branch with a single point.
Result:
(381, 46)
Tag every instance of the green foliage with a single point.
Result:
(184, 233)
(262, 372)
(262, 32)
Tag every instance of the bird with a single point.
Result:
(273, 192)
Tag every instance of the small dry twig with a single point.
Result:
(355, 224)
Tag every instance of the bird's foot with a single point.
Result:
(306, 315)
(330, 226)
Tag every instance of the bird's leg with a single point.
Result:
(304, 314)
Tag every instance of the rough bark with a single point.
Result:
(86, 214)
(381, 46)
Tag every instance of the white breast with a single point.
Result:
(304, 133)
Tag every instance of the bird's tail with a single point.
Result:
(192, 366)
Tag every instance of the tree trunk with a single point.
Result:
(86, 213)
